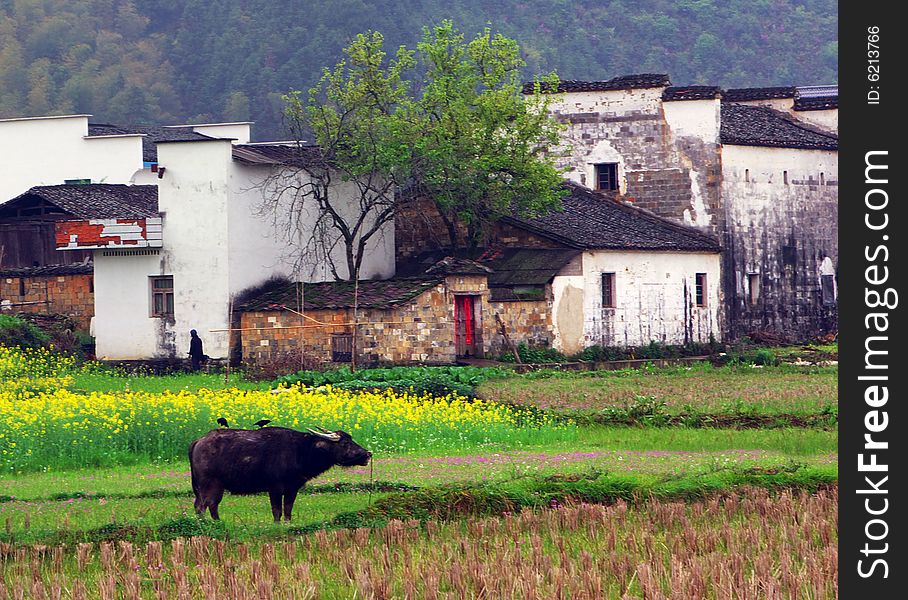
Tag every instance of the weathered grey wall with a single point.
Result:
(781, 232)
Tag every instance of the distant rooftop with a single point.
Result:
(94, 200)
(276, 153)
(153, 134)
(746, 125)
(817, 97)
(691, 92)
(592, 219)
(283, 294)
(624, 82)
(761, 93)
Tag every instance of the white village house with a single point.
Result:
(156, 278)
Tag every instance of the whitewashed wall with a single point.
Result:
(654, 297)
(215, 245)
(123, 326)
(49, 150)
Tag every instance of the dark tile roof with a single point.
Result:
(525, 266)
(624, 82)
(49, 270)
(97, 200)
(744, 125)
(827, 103)
(277, 294)
(595, 220)
(277, 154)
(691, 92)
(504, 266)
(153, 134)
(765, 93)
(451, 265)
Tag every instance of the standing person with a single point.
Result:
(195, 350)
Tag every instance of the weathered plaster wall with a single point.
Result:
(827, 119)
(782, 232)
(666, 151)
(123, 326)
(71, 295)
(654, 300)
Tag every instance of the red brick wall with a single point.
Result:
(59, 294)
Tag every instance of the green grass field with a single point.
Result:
(462, 489)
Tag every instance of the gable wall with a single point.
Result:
(782, 232)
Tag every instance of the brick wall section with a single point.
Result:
(416, 332)
(56, 294)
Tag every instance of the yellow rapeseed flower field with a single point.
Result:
(44, 425)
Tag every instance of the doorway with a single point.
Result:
(467, 332)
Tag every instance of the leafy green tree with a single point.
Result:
(482, 150)
(357, 117)
(469, 140)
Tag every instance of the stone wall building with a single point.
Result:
(755, 167)
(61, 289)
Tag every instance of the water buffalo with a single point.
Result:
(276, 460)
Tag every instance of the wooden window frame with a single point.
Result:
(342, 347)
(162, 292)
(608, 285)
(700, 290)
(611, 176)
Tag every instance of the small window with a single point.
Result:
(827, 289)
(22, 286)
(785, 177)
(700, 289)
(162, 296)
(342, 348)
(753, 284)
(747, 175)
(607, 176)
(608, 290)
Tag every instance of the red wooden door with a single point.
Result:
(465, 332)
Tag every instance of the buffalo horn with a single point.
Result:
(334, 437)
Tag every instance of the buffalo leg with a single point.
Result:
(289, 499)
(214, 498)
(275, 505)
(208, 498)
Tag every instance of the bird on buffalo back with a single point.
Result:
(222, 422)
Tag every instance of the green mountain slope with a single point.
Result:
(167, 61)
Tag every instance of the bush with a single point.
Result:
(279, 364)
(438, 381)
(534, 355)
(15, 331)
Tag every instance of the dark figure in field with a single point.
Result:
(195, 350)
(276, 460)
(223, 422)
(262, 423)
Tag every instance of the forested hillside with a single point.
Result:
(168, 61)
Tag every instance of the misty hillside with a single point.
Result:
(169, 61)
